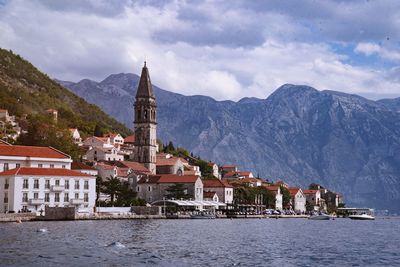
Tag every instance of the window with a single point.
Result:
(47, 184)
(76, 184)
(138, 188)
(5, 197)
(25, 197)
(63, 166)
(47, 197)
(66, 184)
(86, 186)
(35, 195)
(57, 182)
(66, 197)
(6, 185)
(86, 197)
(51, 165)
(149, 188)
(40, 165)
(25, 184)
(76, 195)
(57, 197)
(36, 184)
(17, 165)
(5, 168)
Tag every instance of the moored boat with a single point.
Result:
(362, 217)
(319, 217)
(202, 215)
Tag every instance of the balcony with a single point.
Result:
(37, 201)
(76, 201)
(57, 188)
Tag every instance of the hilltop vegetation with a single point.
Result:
(26, 90)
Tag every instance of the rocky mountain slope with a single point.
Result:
(298, 134)
(26, 90)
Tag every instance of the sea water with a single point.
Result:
(220, 242)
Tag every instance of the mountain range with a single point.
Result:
(298, 134)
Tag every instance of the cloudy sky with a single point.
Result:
(224, 49)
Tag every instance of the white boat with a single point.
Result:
(362, 217)
(319, 217)
(202, 216)
(359, 213)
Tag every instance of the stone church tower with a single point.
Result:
(145, 123)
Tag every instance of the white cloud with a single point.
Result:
(372, 49)
(209, 53)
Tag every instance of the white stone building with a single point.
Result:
(276, 190)
(298, 200)
(25, 188)
(106, 154)
(223, 189)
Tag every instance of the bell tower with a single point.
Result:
(145, 124)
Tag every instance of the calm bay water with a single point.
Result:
(241, 242)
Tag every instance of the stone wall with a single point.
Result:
(143, 210)
(59, 213)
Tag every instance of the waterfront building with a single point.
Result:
(313, 196)
(223, 189)
(210, 196)
(155, 187)
(31, 189)
(298, 199)
(145, 123)
(30, 156)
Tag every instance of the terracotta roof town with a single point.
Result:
(169, 178)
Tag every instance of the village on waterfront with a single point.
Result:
(137, 176)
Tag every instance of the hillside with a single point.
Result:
(26, 90)
(299, 134)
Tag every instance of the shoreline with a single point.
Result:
(18, 218)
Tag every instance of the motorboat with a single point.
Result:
(361, 217)
(358, 213)
(319, 217)
(202, 215)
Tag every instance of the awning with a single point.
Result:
(189, 203)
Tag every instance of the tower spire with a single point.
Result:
(145, 88)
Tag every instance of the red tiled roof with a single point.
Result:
(105, 166)
(228, 166)
(293, 190)
(32, 151)
(136, 166)
(272, 188)
(209, 194)
(230, 174)
(4, 143)
(130, 139)
(244, 173)
(122, 172)
(169, 179)
(166, 162)
(211, 183)
(250, 180)
(76, 165)
(3, 110)
(43, 172)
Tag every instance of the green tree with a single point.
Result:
(112, 187)
(177, 191)
(285, 196)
